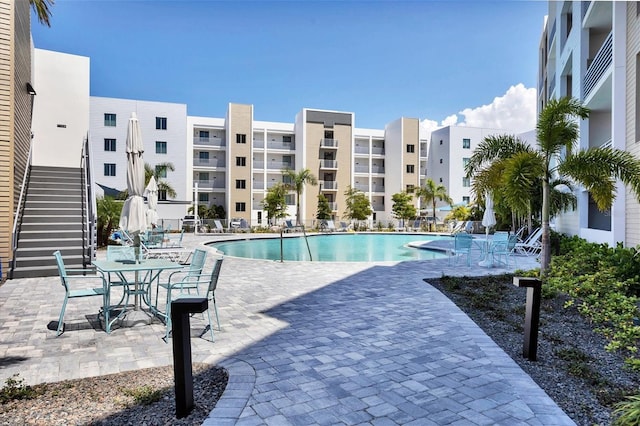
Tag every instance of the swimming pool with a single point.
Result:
(348, 247)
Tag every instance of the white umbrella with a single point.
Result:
(488, 220)
(151, 192)
(133, 216)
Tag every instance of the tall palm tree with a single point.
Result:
(556, 161)
(298, 181)
(41, 7)
(430, 192)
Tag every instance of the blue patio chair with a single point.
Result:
(505, 249)
(462, 244)
(120, 254)
(71, 293)
(212, 283)
(183, 281)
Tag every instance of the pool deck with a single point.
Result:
(304, 343)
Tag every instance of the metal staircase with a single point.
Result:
(53, 218)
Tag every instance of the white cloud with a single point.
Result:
(515, 111)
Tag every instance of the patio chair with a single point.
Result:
(212, 283)
(72, 293)
(531, 245)
(458, 227)
(344, 227)
(328, 226)
(120, 254)
(171, 242)
(218, 226)
(290, 227)
(504, 249)
(462, 244)
(182, 281)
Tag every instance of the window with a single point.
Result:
(161, 123)
(161, 171)
(466, 143)
(465, 161)
(241, 161)
(411, 168)
(204, 135)
(203, 198)
(466, 182)
(203, 155)
(290, 200)
(411, 148)
(410, 188)
(161, 147)
(241, 138)
(162, 195)
(109, 169)
(203, 177)
(286, 139)
(241, 207)
(466, 200)
(110, 120)
(241, 184)
(110, 145)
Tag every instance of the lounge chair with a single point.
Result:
(344, 227)
(290, 227)
(218, 226)
(458, 227)
(417, 225)
(531, 245)
(328, 226)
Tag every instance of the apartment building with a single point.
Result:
(163, 127)
(236, 160)
(449, 152)
(589, 50)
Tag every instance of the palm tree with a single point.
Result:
(41, 7)
(298, 181)
(556, 161)
(160, 169)
(430, 192)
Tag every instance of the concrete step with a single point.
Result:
(54, 185)
(50, 211)
(53, 205)
(30, 218)
(48, 242)
(50, 270)
(48, 227)
(49, 233)
(51, 197)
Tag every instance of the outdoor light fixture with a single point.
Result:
(30, 89)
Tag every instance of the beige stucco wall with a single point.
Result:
(240, 121)
(411, 136)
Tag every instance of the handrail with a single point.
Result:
(19, 209)
(601, 62)
(89, 207)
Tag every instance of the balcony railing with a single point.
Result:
(333, 205)
(272, 165)
(362, 187)
(261, 184)
(210, 141)
(600, 64)
(211, 162)
(361, 150)
(328, 164)
(328, 143)
(287, 146)
(552, 34)
(377, 150)
(377, 188)
(361, 169)
(377, 207)
(377, 169)
(211, 184)
(329, 185)
(258, 143)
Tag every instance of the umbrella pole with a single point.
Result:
(136, 245)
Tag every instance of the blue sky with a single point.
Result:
(379, 59)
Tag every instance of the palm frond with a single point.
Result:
(43, 11)
(557, 126)
(492, 148)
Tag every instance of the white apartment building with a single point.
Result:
(590, 50)
(163, 127)
(450, 150)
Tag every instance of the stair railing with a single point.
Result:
(89, 206)
(17, 217)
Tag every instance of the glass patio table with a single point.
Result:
(150, 269)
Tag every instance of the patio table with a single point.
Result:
(140, 287)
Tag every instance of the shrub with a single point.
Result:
(627, 413)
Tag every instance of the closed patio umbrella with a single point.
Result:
(488, 220)
(133, 216)
(152, 201)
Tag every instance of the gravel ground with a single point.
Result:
(572, 367)
(111, 400)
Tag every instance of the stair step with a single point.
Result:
(77, 219)
(49, 242)
(51, 227)
(49, 204)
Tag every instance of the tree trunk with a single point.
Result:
(545, 253)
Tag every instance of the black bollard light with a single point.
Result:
(182, 371)
(532, 315)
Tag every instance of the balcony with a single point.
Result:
(377, 169)
(329, 143)
(208, 162)
(377, 207)
(377, 150)
(261, 184)
(271, 165)
(258, 143)
(377, 188)
(361, 187)
(328, 164)
(210, 184)
(361, 150)
(329, 185)
(333, 206)
(210, 141)
(361, 169)
(600, 64)
(286, 146)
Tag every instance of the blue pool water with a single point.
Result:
(348, 247)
